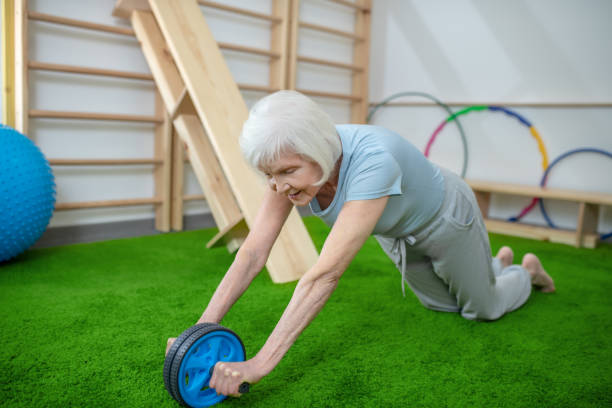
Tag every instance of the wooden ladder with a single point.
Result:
(207, 111)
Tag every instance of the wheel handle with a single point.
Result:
(242, 389)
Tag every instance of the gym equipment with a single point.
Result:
(27, 193)
(190, 362)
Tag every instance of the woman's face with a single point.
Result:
(293, 176)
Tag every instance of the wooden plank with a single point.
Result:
(533, 191)
(279, 43)
(21, 66)
(539, 233)
(361, 57)
(293, 43)
(8, 63)
(205, 164)
(588, 217)
(484, 202)
(232, 236)
(222, 110)
(178, 179)
(162, 175)
(249, 50)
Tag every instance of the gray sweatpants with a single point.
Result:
(448, 263)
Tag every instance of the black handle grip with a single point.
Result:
(242, 389)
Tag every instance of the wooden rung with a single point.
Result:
(329, 95)
(258, 88)
(234, 232)
(79, 23)
(107, 203)
(43, 66)
(93, 116)
(194, 197)
(533, 191)
(241, 11)
(330, 31)
(352, 5)
(540, 233)
(102, 162)
(335, 64)
(250, 50)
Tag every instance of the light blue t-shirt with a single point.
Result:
(377, 162)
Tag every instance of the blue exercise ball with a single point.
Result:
(27, 193)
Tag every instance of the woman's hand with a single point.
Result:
(227, 377)
(169, 343)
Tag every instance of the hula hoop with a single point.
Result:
(439, 103)
(544, 180)
(508, 112)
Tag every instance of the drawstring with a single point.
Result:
(399, 245)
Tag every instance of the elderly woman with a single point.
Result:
(363, 180)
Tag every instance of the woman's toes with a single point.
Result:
(505, 255)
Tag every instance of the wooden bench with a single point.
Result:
(585, 234)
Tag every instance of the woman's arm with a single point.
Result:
(353, 226)
(251, 256)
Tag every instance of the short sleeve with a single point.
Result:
(376, 175)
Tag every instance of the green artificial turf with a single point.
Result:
(86, 325)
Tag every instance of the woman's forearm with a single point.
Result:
(308, 299)
(239, 276)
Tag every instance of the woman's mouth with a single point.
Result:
(294, 196)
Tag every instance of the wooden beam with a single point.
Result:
(8, 63)
(222, 110)
(484, 202)
(162, 175)
(178, 179)
(124, 8)
(279, 43)
(588, 217)
(232, 236)
(539, 233)
(293, 43)
(533, 191)
(205, 164)
(321, 94)
(559, 105)
(361, 58)
(249, 50)
(21, 66)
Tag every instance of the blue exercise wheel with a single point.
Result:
(191, 359)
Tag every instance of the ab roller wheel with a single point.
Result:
(189, 364)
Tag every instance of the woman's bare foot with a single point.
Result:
(169, 344)
(539, 277)
(505, 255)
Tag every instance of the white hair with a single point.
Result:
(289, 122)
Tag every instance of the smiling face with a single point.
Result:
(294, 177)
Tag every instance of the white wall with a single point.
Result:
(468, 50)
(488, 51)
